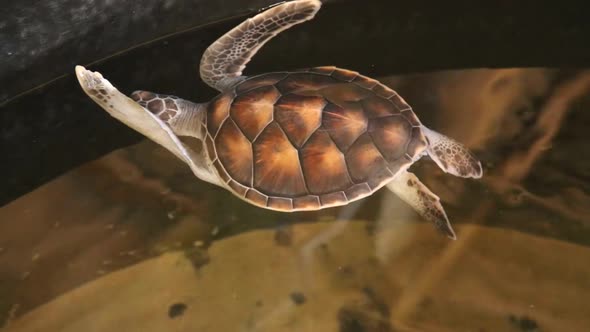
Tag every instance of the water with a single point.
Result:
(132, 241)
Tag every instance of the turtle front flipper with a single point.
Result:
(452, 156)
(140, 119)
(223, 62)
(184, 117)
(409, 188)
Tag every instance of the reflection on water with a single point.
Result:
(133, 242)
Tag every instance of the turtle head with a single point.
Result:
(185, 118)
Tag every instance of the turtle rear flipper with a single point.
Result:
(452, 156)
(223, 62)
(410, 190)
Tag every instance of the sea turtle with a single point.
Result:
(293, 140)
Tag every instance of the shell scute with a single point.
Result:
(400, 103)
(308, 202)
(391, 135)
(417, 144)
(265, 80)
(256, 197)
(366, 163)
(357, 191)
(344, 125)
(324, 70)
(218, 111)
(365, 82)
(298, 82)
(277, 169)
(377, 107)
(345, 75)
(238, 188)
(412, 118)
(210, 146)
(253, 110)
(383, 91)
(299, 116)
(221, 170)
(235, 152)
(333, 199)
(323, 165)
(342, 94)
(280, 203)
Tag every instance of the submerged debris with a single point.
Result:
(524, 323)
(284, 236)
(353, 319)
(298, 298)
(176, 310)
(198, 257)
(369, 315)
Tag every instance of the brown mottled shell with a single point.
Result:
(310, 139)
